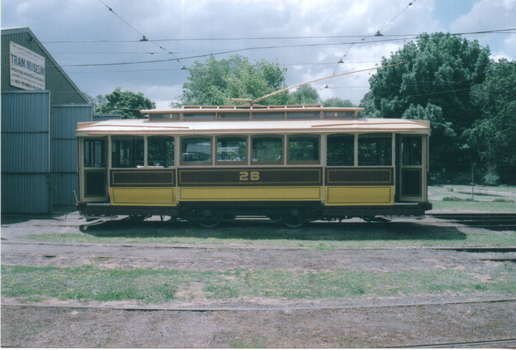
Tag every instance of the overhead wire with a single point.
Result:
(144, 38)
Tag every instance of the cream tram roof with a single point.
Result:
(183, 126)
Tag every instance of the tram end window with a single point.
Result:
(160, 151)
(127, 151)
(94, 155)
(196, 150)
(411, 150)
(303, 149)
(375, 149)
(267, 149)
(231, 149)
(340, 150)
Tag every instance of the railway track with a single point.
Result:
(491, 221)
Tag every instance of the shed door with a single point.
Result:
(94, 177)
(412, 176)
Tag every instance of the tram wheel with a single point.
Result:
(208, 218)
(294, 218)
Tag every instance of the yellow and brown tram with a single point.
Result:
(290, 163)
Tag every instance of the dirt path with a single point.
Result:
(385, 325)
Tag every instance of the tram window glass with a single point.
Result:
(94, 153)
(302, 115)
(268, 116)
(127, 152)
(231, 149)
(340, 150)
(196, 150)
(199, 115)
(267, 149)
(329, 115)
(411, 150)
(234, 115)
(375, 149)
(174, 116)
(160, 151)
(304, 149)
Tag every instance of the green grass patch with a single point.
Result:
(146, 285)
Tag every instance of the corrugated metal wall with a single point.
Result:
(26, 163)
(63, 89)
(65, 179)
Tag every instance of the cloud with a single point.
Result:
(489, 15)
(266, 29)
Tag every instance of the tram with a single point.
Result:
(293, 164)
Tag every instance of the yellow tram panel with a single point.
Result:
(358, 195)
(148, 196)
(262, 193)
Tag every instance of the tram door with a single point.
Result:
(412, 172)
(94, 170)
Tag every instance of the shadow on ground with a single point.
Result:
(349, 231)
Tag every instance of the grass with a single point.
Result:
(89, 282)
(458, 197)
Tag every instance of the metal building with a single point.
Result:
(41, 107)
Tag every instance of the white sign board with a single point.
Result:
(27, 68)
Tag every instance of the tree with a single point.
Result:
(304, 95)
(337, 102)
(96, 101)
(494, 136)
(433, 84)
(213, 82)
(126, 103)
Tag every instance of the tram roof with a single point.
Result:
(285, 126)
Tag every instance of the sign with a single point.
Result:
(27, 68)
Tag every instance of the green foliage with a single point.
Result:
(433, 84)
(337, 102)
(304, 95)
(126, 103)
(494, 136)
(212, 82)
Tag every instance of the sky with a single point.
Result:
(98, 42)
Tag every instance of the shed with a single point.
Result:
(41, 107)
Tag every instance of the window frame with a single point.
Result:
(193, 163)
(304, 162)
(229, 163)
(270, 136)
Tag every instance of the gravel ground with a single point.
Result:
(361, 322)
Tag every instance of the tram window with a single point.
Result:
(196, 150)
(199, 115)
(268, 116)
(411, 150)
(160, 151)
(340, 150)
(231, 149)
(94, 153)
(234, 115)
(375, 149)
(329, 115)
(127, 152)
(267, 149)
(303, 149)
(302, 115)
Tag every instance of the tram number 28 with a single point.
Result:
(249, 175)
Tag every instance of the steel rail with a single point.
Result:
(476, 249)
(481, 342)
(276, 308)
